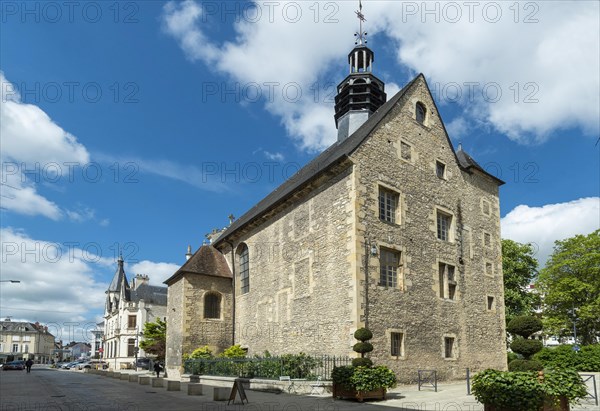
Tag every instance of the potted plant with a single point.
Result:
(362, 380)
(553, 390)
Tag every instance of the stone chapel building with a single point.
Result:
(389, 228)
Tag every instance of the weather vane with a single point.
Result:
(360, 36)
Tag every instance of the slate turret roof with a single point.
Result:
(207, 260)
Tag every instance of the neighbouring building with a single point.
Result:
(23, 340)
(78, 350)
(97, 337)
(128, 307)
(391, 228)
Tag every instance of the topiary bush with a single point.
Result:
(362, 362)
(524, 326)
(510, 356)
(526, 347)
(363, 334)
(525, 365)
(363, 347)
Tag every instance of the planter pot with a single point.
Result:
(341, 392)
(562, 404)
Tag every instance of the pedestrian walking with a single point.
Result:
(28, 364)
(157, 369)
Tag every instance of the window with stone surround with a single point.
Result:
(244, 269)
(440, 170)
(212, 305)
(449, 348)
(486, 207)
(397, 344)
(388, 205)
(489, 268)
(405, 151)
(389, 267)
(487, 239)
(131, 347)
(420, 112)
(490, 303)
(132, 321)
(444, 224)
(15, 348)
(447, 281)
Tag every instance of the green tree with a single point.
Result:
(570, 283)
(519, 267)
(155, 336)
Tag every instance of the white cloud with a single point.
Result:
(274, 156)
(31, 141)
(57, 285)
(158, 272)
(553, 60)
(542, 226)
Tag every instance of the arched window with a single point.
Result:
(212, 305)
(244, 269)
(420, 112)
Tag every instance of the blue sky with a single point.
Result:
(143, 125)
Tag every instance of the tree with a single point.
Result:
(519, 267)
(570, 283)
(155, 336)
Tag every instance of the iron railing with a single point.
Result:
(294, 366)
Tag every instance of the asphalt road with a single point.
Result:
(46, 389)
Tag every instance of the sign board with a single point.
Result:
(238, 387)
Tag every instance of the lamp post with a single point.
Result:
(574, 315)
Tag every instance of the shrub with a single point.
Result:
(201, 352)
(563, 356)
(564, 383)
(518, 391)
(363, 334)
(362, 362)
(510, 356)
(363, 347)
(370, 379)
(342, 375)
(525, 365)
(524, 326)
(526, 347)
(235, 351)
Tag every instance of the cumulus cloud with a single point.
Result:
(158, 272)
(32, 145)
(58, 285)
(542, 226)
(527, 69)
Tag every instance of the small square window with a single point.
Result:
(405, 151)
(448, 347)
(487, 239)
(440, 169)
(388, 204)
(397, 340)
(490, 302)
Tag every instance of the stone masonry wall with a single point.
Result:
(302, 294)
(174, 329)
(415, 308)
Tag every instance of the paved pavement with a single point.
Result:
(69, 390)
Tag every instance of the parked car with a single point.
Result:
(93, 364)
(72, 364)
(14, 365)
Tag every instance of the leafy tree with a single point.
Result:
(155, 336)
(519, 267)
(570, 283)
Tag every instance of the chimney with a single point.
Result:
(188, 255)
(139, 280)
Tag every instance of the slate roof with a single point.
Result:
(15, 325)
(336, 153)
(152, 294)
(207, 260)
(119, 278)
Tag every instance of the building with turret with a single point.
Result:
(391, 228)
(128, 307)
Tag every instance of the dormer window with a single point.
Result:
(420, 113)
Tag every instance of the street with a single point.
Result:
(46, 389)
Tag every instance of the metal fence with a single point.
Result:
(294, 366)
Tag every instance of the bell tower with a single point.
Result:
(361, 93)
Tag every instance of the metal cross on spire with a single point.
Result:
(361, 36)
